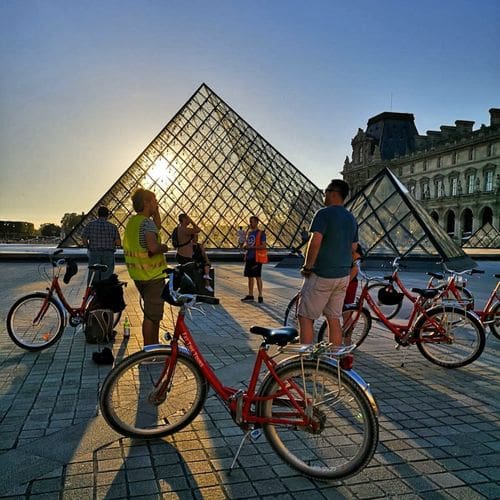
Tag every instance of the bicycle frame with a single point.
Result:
(55, 287)
(400, 330)
(492, 299)
(239, 402)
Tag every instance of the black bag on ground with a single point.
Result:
(99, 326)
(109, 294)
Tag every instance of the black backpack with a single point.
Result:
(175, 238)
(109, 294)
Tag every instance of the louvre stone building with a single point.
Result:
(453, 172)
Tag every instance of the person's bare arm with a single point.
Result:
(312, 251)
(152, 243)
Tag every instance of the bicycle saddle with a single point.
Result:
(426, 293)
(280, 336)
(438, 276)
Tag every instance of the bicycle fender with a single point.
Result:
(157, 347)
(352, 374)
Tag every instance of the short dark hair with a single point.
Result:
(340, 186)
(182, 217)
(138, 198)
(103, 212)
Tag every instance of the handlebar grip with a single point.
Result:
(477, 271)
(207, 299)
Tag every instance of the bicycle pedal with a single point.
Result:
(255, 434)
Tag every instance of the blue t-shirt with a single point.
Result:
(340, 230)
(251, 238)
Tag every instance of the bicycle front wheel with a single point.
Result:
(132, 405)
(345, 432)
(493, 319)
(35, 322)
(450, 337)
(292, 319)
(389, 310)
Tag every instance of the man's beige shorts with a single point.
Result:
(322, 296)
(151, 294)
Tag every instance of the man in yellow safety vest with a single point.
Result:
(145, 261)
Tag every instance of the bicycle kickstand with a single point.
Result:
(254, 434)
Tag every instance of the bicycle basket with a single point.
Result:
(389, 297)
(71, 270)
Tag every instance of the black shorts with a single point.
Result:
(252, 269)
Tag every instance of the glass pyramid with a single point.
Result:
(211, 164)
(487, 236)
(393, 224)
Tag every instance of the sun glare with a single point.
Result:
(160, 173)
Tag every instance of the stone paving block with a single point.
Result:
(213, 493)
(109, 492)
(367, 490)
(46, 486)
(134, 475)
(269, 486)
(446, 479)
(240, 490)
(143, 488)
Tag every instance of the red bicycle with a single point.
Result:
(452, 290)
(37, 321)
(318, 418)
(445, 334)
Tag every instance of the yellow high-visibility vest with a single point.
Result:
(140, 265)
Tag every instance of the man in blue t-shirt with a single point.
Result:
(334, 236)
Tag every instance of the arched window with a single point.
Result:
(487, 216)
(467, 222)
(450, 223)
(435, 215)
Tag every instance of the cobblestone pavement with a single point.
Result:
(439, 429)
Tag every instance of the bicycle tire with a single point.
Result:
(348, 436)
(389, 311)
(361, 327)
(291, 318)
(125, 395)
(466, 297)
(494, 317)
(46, 332)
(464, 341)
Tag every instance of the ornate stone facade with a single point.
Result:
(454, 172)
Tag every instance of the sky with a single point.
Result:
(86, 85)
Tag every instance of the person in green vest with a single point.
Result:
(145, 260)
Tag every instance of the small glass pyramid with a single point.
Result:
(487, 236)
(393, 224)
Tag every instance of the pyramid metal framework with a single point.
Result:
(487, 236)
(393, 224)
(210, 163)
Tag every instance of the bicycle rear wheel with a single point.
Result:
(465, 299)
(460, 343)
(292, 319)
(131, 405)
(347, 427)
(354, 328)
(35, 322)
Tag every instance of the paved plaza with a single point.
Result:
(439, 429)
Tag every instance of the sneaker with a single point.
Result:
(260, 300)
(247, 298)
(105, 357)
(207, 277)
(208, 288)
(346, 362)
